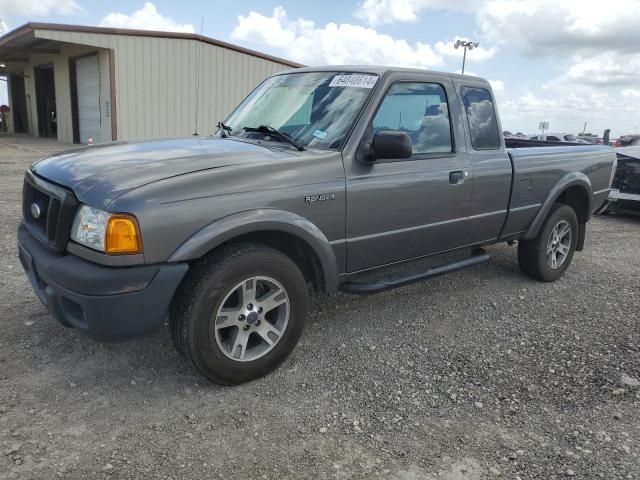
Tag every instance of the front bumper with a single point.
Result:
(623, 202)
(107, 303)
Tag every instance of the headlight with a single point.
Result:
(114, 234)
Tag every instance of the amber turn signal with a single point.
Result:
(123, 235)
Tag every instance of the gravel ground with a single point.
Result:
(479, 374)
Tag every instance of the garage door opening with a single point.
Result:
(85, 99)
(18, 103)
(46, 101)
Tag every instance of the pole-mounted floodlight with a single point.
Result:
(466, 44)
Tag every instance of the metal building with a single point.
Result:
(77, 82)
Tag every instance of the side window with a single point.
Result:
(483, 124)
(421, 111)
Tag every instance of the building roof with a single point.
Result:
(21, 40)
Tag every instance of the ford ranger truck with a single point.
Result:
(325, 178)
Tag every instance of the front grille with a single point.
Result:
(48, 211)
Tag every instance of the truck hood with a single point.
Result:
(99, 174)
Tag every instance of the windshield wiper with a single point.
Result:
(274, 132)
(224, 129)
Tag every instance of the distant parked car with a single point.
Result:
(590, 139)
(627, 141)
(558, 137)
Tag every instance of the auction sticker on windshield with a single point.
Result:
(354, 80)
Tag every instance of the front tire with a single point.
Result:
(239, 313)
(548, 256)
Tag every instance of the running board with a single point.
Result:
(477, 257)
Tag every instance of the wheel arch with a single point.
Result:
(574, 189)
(287, 232)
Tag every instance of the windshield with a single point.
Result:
(315, 109)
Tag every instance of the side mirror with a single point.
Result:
(391, 144)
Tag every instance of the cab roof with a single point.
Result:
(378, 70)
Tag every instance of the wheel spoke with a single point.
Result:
(273, 300)
(228, 317)
(563, 229)
(563, 249)
(268, 332)
(240, 340)
(554, 260)
(248, 292)
(223, 321)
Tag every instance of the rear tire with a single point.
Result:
(548, 256)
(239, 313)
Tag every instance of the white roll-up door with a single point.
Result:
(88, 84)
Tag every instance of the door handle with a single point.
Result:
(457, 177)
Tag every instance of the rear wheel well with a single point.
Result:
(577, 198)
(294, 247)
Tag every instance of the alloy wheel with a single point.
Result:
(559, 244)
(252, 318)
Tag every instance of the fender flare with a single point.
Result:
(570, 180)
(227, 228)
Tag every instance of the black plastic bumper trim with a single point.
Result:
(113, 303)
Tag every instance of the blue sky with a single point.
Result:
(564, 61)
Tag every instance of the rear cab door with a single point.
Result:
(490, 163)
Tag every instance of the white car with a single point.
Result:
(558, 137)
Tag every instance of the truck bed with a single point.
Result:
(538, 170)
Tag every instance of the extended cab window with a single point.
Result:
(483, 124)
(420, 110)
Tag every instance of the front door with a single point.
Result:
(402, 209)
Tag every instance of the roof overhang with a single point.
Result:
(16, 45)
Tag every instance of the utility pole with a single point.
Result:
(466, 44)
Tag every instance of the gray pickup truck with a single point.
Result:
(322, 177)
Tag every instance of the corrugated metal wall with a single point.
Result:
(156, 84)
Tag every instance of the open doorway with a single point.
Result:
(18, 103)
(46, 101)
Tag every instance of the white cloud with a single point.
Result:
(30, 8)
(558, 26)
(497, 86)
(536, 26)
(333, 43)
(378, 12)
(605, 69)
(631, 93)
(271, 31)
(147, 18)
(478, 54)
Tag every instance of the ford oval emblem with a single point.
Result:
(35, 210)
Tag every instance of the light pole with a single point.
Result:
(466, 44)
